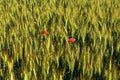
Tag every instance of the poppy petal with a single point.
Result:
(45, 32)
(71, 40)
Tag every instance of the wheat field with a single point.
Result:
(27, 54)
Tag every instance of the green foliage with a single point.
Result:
(26, 54)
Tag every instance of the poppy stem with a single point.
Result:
(71, 48)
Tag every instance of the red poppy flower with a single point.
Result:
(71, 40)
(45, 32)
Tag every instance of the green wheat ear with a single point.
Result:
(118, 44)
